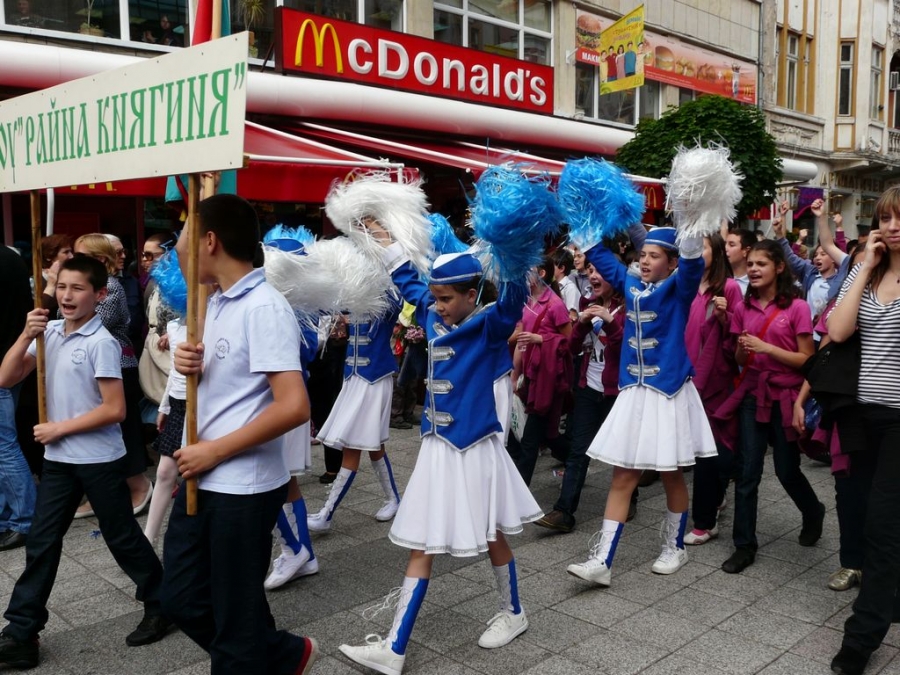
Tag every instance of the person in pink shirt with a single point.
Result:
(773, 328)
(710, 348)
(542, 356)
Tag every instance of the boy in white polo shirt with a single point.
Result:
(83, 454)
(251, 393)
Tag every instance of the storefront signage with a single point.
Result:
(179, 113)
(668, 60)
(320, 46)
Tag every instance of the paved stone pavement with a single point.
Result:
(776, 618)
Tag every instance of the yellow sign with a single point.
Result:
(319, 41)
(622, 53)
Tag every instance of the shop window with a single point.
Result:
(98, 18)
(521, 29)
(792, 74)
(623, 107)
(793, 50)
(685, 95)
(384, 14)
(845, 80)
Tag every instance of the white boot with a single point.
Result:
(602, 550)
(673, 556)
(385, 477)
(321, 521)
(510, 622)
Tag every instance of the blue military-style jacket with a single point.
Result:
(369, 353)
(653, 350)
(463, 360)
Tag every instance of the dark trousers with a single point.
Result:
(524, 453)
(215, 565)
(711, 476)
(590, 410)
(406, 385)
(875, 455)
(133, 426)
(326, 377)
(61, 489)
(786, 456)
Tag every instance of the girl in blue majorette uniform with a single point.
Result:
(465, 494)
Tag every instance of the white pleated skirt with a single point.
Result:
(647, 430)
(455, 502)
(503, 401)
(297, 451)
(361, 416)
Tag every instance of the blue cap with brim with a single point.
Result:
(662, 236)
(454, 268)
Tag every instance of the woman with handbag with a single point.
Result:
(773, 328)
(869, 305)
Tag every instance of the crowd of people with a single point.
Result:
(653, 353)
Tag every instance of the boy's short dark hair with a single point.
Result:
(234, 221)
(91, 268)
(748, 238)
(562, 257)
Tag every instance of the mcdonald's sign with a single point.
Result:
(319, 46)
(654, 197)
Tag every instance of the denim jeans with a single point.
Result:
(17, 490)
(711, 476)
(786, 456)
(591, 409)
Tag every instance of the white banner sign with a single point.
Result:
(179, 113)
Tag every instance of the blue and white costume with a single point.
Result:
(360, 418)
(297, 445)
(464, 487)
(657, 421)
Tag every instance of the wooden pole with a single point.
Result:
(37, 267)
(193, 324)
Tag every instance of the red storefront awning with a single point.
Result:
(460, 154)
(280, 167)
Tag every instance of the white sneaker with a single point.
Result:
(503, 628)
(286, 567)
(592, 569)
(375, 654)
(698, 537)
(318, 522)
(309, 568)
(388, 511)
(670, 561)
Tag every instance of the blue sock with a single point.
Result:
(286, 532)
(303, 539)
(613, 529)
(411, 597)
(681, 520)
(342, 483)
(508, 586)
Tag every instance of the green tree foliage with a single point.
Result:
(709, 119)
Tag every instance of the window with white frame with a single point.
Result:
(845, 80)
(623, 107)
(876, 81)
(521, 29)
(791, 70)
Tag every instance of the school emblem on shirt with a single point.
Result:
(78, 356)
(222, 348)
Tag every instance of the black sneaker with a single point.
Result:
(151, 629)
(18, 654)
(811, 531)
(740, 560)
(849, 662)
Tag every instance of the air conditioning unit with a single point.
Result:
(895, 80)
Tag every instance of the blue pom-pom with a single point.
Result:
(299, 234)
(443, 238)
(598, 199)
(170, 282)
(513, 214)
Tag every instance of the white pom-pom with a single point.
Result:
(702, 190)
(333, 277)
(400, 208)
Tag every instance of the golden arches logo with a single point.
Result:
(319, 43)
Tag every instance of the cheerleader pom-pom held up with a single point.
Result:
(170, 282)
(511, 215)
(702, 190)
(443, 238)
(400, 208)
(598, 199)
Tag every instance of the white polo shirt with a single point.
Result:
(250, 331)
(74, 363)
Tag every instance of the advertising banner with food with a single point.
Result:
(671, 61)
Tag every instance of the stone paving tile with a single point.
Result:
(767, 628)
(730, 653)
(791, 664)
(614, 654)
(599, 607)
(681, 665)
(555, 631)
(509, 660)
(698, 606)
(659, 628)
(804, 605)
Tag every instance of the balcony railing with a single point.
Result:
(894, 141)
